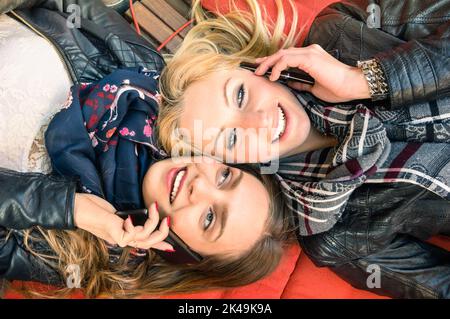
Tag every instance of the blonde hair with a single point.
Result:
(218, 42)
(154, 276)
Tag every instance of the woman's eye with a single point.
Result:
(224, 176)
(232, 139)
(240, 95)
(208, 219)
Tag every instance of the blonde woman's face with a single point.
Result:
(240, 117)
(208, 203)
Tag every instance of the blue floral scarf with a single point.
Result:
(104, 135)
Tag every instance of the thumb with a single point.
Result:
(300, 86)
(163, 246)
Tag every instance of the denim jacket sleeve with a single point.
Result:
(412, 44)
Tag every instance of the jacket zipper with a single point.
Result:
(61, 58)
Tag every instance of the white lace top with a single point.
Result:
(34, 85)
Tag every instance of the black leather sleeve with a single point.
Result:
(18, 263)
(407, 268)
(384, 228)
(104, 42)
(418, 70)
(32, 199)
(412, 44)
(27, 200)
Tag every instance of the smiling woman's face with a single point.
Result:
(242, 117)
(209, 204)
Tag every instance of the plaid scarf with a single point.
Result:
(375, 146)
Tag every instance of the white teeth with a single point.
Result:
(281, 124)
(176, 184)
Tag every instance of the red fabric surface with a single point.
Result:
(296, 277)
(307, 11)
(311, 282)
(271, 287)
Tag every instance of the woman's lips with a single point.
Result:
(171, 179)
(281, 124)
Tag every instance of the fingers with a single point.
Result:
(148, 236)
(259, 60)
(128, 225)
(267, 62)
(128, 234)
(308, 59)
(165, 246)
(282, 64)
(150, 224)
(156, 236)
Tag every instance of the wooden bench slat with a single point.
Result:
(167, 14)
(182, 7)
(151, 24)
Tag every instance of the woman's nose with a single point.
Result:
(199, 189)
(257, 119)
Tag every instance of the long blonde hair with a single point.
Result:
(154, 276)
(218, 42)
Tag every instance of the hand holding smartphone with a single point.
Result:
(291, 74)
(182, 254)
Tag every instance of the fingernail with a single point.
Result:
(168, 221)
(156, 206)
(131, 220)
(170, 250)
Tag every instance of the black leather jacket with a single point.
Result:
(413, 44)
(103, 43)
(26, 200)
(385, 225)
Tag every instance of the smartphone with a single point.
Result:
(291, 74)
(182, 255)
